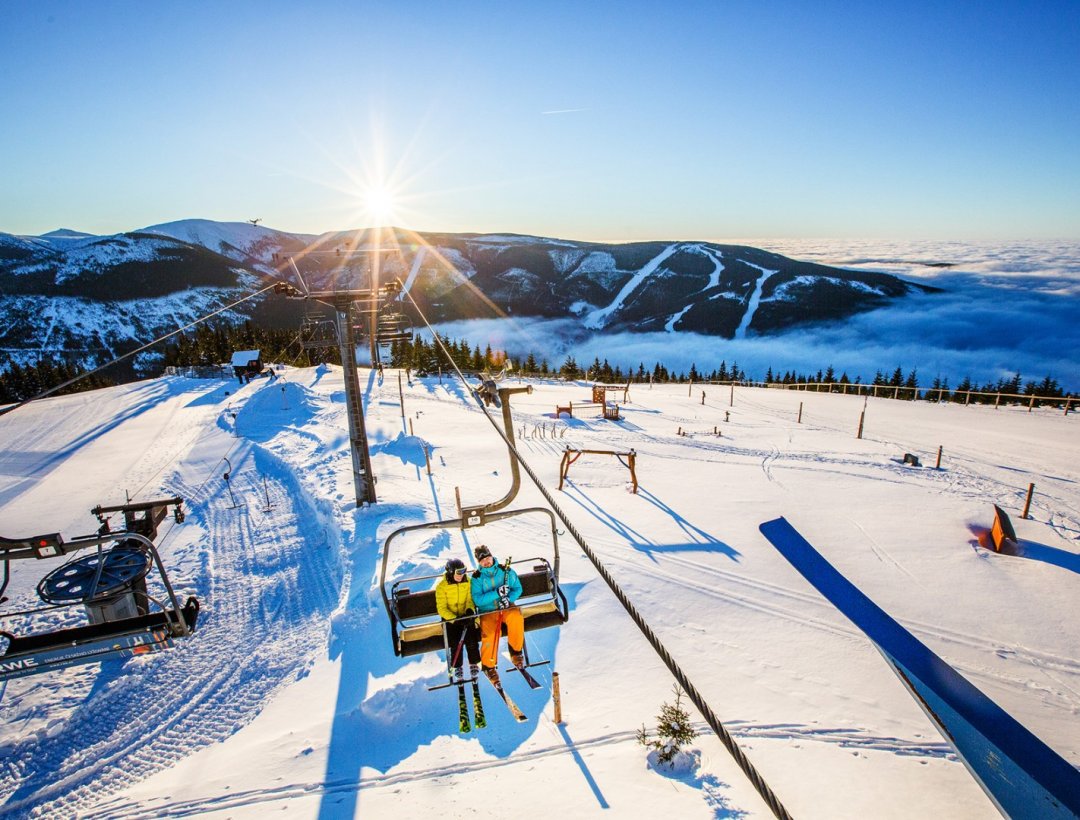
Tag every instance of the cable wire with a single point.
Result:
(695, 696)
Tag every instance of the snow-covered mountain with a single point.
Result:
(90, 297)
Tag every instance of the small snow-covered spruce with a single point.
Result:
(673, 730)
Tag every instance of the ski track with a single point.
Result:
(258, 604)
(844, 737)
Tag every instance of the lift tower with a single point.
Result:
(347, 304)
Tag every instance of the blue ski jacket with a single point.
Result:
(486, 584)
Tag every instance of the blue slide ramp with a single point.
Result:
(1023, 776)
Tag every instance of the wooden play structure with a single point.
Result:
(609, 409)
(571, 455)
(600, 391)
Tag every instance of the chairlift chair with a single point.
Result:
(415, 624)
(110, 584)
(410, 601)
(392, 326)
(318, 331)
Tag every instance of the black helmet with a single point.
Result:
(452, 565)
(481, 552)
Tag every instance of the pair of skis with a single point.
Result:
(463, 708)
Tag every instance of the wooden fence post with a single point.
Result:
(556, 697)
(1027, 501)
(800, 413)
(938, 465)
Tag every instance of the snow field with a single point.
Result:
(290, 697)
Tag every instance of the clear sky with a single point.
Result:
(601, 120)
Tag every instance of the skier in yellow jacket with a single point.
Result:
(453, 598)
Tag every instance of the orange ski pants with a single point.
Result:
(491, 631)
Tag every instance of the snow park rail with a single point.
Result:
(752, 774)
(1023, 777)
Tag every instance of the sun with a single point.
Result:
(379, 205)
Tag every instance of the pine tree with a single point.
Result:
(569, 370)
(673, 730)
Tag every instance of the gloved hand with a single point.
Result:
(504, 602)
(504, 591)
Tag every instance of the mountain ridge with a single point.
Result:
(139, 284)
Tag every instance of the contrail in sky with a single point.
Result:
(564, 111)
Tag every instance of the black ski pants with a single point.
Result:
(454, 630)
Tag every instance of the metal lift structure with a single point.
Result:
(109, 583)
(351, 307)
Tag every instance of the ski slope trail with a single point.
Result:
(598, 318)
(266, 600)
(755, 299)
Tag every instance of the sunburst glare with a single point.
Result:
(379, 204)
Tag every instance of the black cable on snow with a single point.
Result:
(695, 696)
(130, 353)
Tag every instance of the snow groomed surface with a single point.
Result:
(1023, 776)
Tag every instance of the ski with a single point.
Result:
(478, 706)
(529, 679)
(493, 677)
(463, 710)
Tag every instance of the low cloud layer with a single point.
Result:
(1006, 309)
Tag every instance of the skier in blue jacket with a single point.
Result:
(494, 590)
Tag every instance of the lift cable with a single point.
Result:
(131, 353)
(703, 707)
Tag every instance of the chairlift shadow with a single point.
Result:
(43, 463)
(385, 711)
(215, 396)
(700, 540)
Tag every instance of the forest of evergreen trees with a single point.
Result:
(211, 344)
(20, 382)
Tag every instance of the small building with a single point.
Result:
(247, 364)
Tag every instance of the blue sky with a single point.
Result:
(605, 121)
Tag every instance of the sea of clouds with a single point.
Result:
(1004, 308)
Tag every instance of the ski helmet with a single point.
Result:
(453, 565)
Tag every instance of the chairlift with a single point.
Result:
(415, 625)
(392, 326)
(318, 331)
(110, 584)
